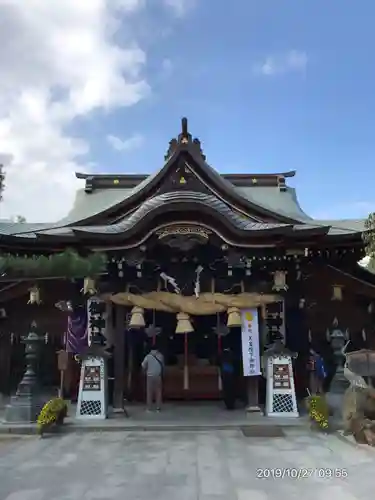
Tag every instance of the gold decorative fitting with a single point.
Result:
(89, 287)
(234, 317)
(34, 296)
(116, 181)
(182, 180)
(254, 181)
(183, 323)
(337, 292)
(137, 319)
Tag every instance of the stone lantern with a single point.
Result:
(27, 403)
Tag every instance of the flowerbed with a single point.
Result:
(53, 414)
(318, 411)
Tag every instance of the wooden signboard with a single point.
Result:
(91, 378)
(62, 360)
(281, 378)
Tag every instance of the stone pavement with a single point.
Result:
(206, 465)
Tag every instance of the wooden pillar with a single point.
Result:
(119, 358)
(252, 394)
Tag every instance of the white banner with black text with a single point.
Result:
(250, 342)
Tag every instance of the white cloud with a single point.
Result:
(58, 63)
(129, 144)
(292, 61)
(179, 8)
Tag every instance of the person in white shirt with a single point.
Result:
(153, 366)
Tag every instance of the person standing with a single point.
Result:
(228, 377)
(153, 367)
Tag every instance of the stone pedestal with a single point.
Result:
(93, 388)
(25, 406)
(252, 395)
(280, 393)
(339, 383)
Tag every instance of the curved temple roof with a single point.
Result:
(114, 204)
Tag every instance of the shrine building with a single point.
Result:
(187, 249)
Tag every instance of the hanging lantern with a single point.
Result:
(279, 281)
(336, 292)
(137, 319)
(234, 317)
(89, 287)
(183, 323)
(301, 303)
(34, 296)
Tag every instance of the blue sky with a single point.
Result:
(317, 118)
(270, 85)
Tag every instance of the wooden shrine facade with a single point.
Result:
(187, 231)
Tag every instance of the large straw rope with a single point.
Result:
(205, 304)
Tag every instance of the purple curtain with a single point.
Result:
(77, 335)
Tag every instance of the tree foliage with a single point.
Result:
(65, 264)
(20, 218)
(369, 235)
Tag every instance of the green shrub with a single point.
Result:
(53, 413)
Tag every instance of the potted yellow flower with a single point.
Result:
(318, 411)
(53, 414)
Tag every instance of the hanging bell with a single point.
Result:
(34, 296)
(234, 317)
(183, 323)
(336, 292)
(89, 287)
(279, 281)
(137, 319)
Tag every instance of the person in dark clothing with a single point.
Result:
(228, 379)
(326, 352)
